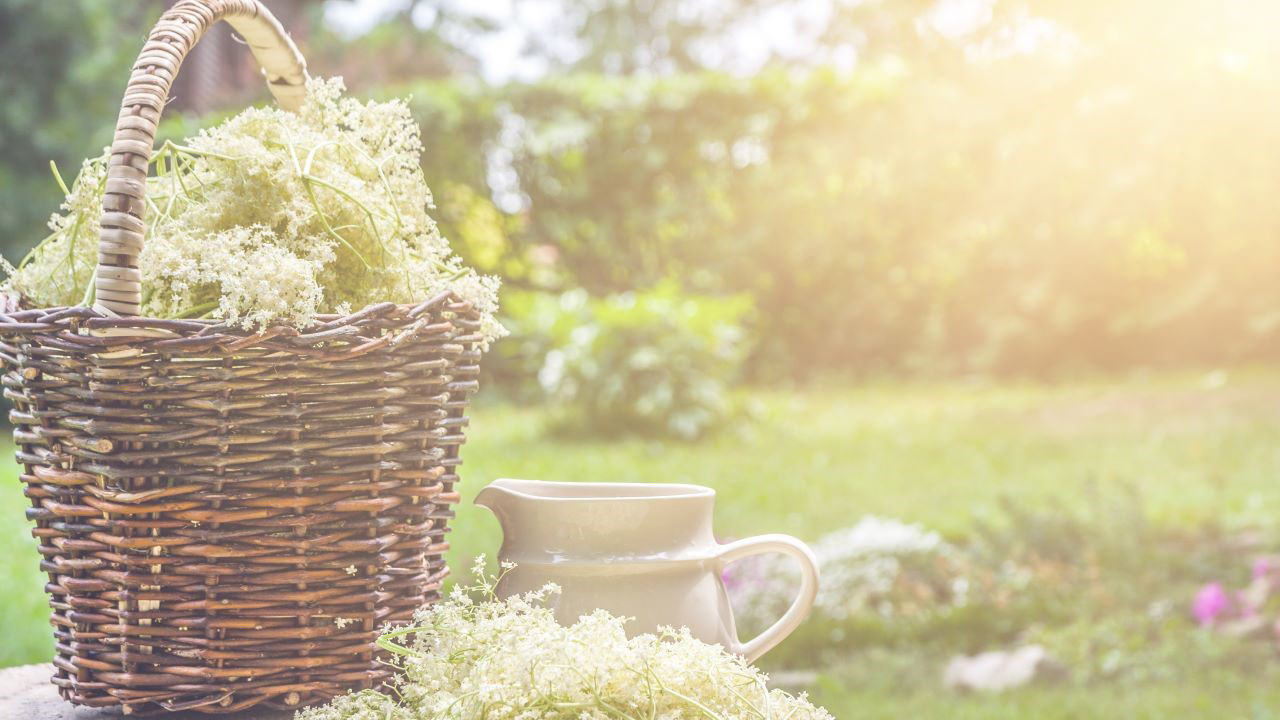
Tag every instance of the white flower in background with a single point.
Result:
(864, 568)
(861, 564)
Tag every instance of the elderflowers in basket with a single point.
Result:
(270, 218)
(239, 368)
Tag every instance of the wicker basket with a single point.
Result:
(227, 518)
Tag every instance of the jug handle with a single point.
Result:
(800, 607)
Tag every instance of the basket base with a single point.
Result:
(25, 692)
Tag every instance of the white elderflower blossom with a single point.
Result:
(510, 660)
(863, 566)
(271, 218)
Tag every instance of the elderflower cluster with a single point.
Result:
(510, 660)
(271, 218)
(879, 565)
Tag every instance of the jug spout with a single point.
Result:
(494, 495)
(498, 496)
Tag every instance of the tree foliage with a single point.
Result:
(63, 66)
(1061, 185)
(1020, 213)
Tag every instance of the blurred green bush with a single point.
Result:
(1023, 215)
(656, 362)
(928, 211)
(63, 66)
(1097, 583)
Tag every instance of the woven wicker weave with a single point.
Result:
(226, 518)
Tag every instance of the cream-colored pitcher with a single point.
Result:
(639, 550)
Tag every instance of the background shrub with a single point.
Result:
(939, 207)
(874, 235)
(658, 362)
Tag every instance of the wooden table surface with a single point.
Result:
(27, 694)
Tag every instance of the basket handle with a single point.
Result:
(118, 282)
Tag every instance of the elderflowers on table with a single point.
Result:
(271, 218)
(510, 660)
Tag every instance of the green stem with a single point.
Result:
(311, 155)
(90, 292)
(368, 213)
(187, 149)
(315, 203)
(62, 185)
(32, 252)
(173, 181)
(198, 311)
(386, 185)
(385, 640)
(705, 710)
(311, 195)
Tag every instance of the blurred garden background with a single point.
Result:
(981, 297)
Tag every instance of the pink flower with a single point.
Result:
(1261, 567)
(1210, 602)
(730, 579)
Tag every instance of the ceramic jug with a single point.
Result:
(639, 550)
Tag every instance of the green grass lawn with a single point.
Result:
(1199, 450)
(1218, 697)
(939, 454)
